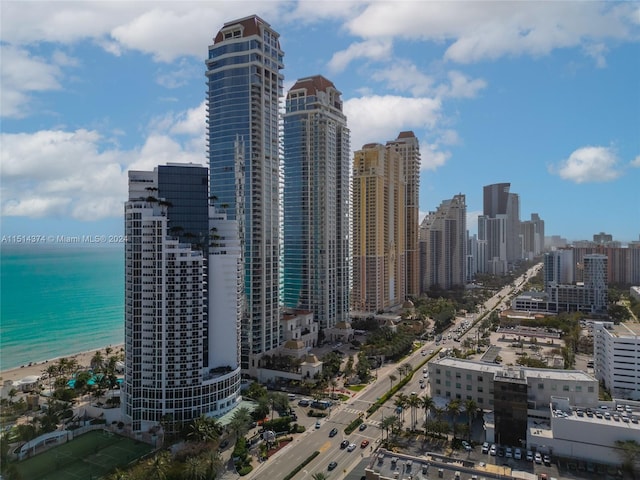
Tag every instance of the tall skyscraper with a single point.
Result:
(532, 233)
(244, 88)
(316, 202)
(499, 229)
(408, 148)
(176, 369)
(444, 234)
(559, 268)
(378, 229)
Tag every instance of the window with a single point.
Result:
(541, 386)
(565, 388)
(578, 388)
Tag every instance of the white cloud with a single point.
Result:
(370, 49)
(485, 31)
(432, 157)
(635, 162)
(405, 76)
(380, 118)
(589, 164)
(79, 173)
(461, 86)
(28, 74)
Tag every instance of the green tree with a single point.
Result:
(629, 452)
(453, 409)
(159, 465)
(471, 407)
(427, 404)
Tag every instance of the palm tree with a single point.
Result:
(239, 424)
(195, 469)
(401, 402)
(159, 466)
(334, 383)
(204, 429)
(97, 361)
(319, 476)
(427, 404)
(214, 463)
(471, 407)
(414, 402)
(387, 423)
(453, 409)
(392, 378)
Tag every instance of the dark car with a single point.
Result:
(344, 444)
(362, 426)
(501, 451)
(332, 465)
(333, 432)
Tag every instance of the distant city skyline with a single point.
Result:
(547, 102)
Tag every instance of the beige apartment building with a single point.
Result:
(379, 228)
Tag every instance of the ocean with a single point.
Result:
(59, 300)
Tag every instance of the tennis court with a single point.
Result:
(90, 456)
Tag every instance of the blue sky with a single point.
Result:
(544, 95)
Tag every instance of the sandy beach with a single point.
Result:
(83, 358)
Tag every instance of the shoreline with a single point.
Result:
(38, 368)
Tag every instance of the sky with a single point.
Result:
(544, 95)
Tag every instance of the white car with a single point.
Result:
(517, 454)
(509, 453)
(529, 456)
(351, 447)
(493, 450)
(538, 458)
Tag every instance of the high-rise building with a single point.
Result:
(532, 232)
(378, 229)
(444, 234)
(559, 268)
(316, 202)
(499, 229)
(176, 367)
(409, 149)
(244, 89)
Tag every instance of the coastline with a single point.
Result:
(38, 368)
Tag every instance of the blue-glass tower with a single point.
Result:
(244, 88)
(316, 202)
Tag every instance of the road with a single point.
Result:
(342, 415)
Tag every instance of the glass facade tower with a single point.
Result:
(316, 202)
(244, 88)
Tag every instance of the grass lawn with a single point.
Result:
(90, 456)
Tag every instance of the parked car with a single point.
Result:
(517, 454)
(333, 432)
(547, 460)
(332, 465)
(493, 451)
(509, 453)
(529, 456)
(466, 445)
(538, 458)
(485, 447)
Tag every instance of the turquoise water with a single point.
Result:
(57, 301)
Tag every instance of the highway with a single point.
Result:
(343, 414)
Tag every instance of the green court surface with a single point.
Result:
(88, 457)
